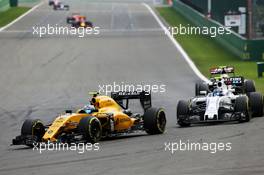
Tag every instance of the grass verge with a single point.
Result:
(206, 52)
(9, 15)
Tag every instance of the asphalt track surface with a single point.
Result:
(41, 77)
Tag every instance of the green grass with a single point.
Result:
(206, 52)
(11, 14)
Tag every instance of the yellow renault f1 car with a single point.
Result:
(104, 117)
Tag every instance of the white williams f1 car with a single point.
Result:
(61, 6)
(51, 2)
(221, 105)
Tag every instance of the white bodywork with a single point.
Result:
(214, 102)
(212, 106)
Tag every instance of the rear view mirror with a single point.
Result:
(68, 111)
(233, 90)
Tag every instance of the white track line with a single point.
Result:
(20, 17)
(177, 45)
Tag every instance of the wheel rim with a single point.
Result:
(38, 130)
(161, 121)
(95, 130)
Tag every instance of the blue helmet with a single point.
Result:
(217, 92)
(89, 109)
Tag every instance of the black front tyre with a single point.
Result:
(200, 86)
(33, 128)
(154, 121)
(242, 107)
(69, 20)
(183, 113)
(256, 104)
(91, 129)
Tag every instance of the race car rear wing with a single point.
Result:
(237, 81)
(144, 97)
(222, 70)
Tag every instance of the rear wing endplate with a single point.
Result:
(143, 96)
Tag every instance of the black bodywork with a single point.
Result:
(144, 97)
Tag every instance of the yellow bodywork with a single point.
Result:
(105, 106)
(63, 123)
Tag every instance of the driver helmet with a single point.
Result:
(89, 109)
(224, 76)
(217, 92)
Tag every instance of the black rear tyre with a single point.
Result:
(256, 104)
(89, 24)
(242, 106)
(249, 87)
(91, 129)
(183, 113)
(154, 121)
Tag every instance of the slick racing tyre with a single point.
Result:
(154, 121)
(256, 104)
(242, 106)
(74, 24)
(183, 113)
(91, 129)
(249, 87)
(89, 24)
(200, 86)
(69, 20)
(34, 128)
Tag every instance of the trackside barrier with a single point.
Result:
(27, 1)
(240, 46)
(260, 69)
(4, 5)
(13, 3)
